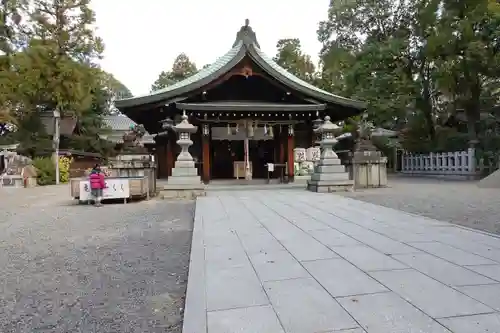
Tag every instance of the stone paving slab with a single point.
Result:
(301, 262)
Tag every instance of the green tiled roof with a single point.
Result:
(119, 122)
(206, 72)
(286, 75)
(198, 80)
(245, 44)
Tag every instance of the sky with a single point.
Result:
(142, 38)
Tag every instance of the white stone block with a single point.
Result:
(313, 154)
(299, 154)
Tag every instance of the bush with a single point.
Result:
(64, 166)
(47, 171)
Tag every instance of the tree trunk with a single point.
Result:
(473, 111)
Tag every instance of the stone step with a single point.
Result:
(341, 176)
(184, 180)
(338, 168)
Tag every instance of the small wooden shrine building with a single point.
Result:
(247, 109)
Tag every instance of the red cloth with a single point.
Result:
(97, 181)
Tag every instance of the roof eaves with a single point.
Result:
(196, 81)
(285, 77)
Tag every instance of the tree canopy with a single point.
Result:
(49, 54)
(290, 56)
(414, 61)
(182, 68)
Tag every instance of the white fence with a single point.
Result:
(459, 163)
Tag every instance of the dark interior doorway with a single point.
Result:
(225, 152)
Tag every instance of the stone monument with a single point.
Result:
(134, 161)
(16, 170)
(132, 140)
(184, 183)
(329, 174)
(368, 168)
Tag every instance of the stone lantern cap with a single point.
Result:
(317, 123)
(328, 126)
(184, 126)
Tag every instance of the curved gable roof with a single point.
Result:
(245, 44)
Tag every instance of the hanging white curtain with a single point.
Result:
(220, 133)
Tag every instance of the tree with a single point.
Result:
(290, 56)
(51, 64)
(468, 54)
(110, 90)
(413, 61)
(12, 27)
(182, 68)
(12, 35)
(65, 43)
(376, 51)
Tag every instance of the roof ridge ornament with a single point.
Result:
(246, 35)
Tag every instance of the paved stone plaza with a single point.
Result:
(299, 262)
(458, 202)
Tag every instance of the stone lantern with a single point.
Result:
(326, 133)
(184, 181)
(316, 125)
(184, 130)
(329, 174)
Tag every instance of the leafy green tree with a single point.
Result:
(467, 46)
(376, 51)
(291, 57)
(13, 31)
(12, 27)
(182, 68)
(110, 90)
(64, 43)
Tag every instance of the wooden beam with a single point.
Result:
(282, 147)
(160, 158)
(206, 158)
(290, 159)
(170, 155)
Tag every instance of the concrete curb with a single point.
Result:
(195, 317)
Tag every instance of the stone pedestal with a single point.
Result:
(184, 183)
(135, 166)
(368, 169)
(16, 170)
(329, 174)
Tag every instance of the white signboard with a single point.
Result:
(115, 189)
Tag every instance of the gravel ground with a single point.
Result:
(73, 268)
(459, 202)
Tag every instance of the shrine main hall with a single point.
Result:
(249, 111)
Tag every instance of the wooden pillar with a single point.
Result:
(160, 159)
(170, 155)
(282, 138)
(206, 153)
(290, 159)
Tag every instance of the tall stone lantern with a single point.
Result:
(184, 181)
(184, 130)
(329, 174)
(326, 133)
(316, 125)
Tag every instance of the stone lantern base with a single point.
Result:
(329, 175)
(184, 183)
